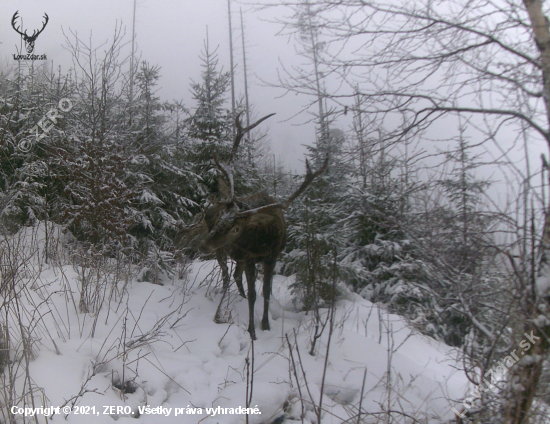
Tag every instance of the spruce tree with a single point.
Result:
(210, 127)
(210, 131)
(165, 181)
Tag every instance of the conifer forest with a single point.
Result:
(163, 261)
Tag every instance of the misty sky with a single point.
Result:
(171, 34)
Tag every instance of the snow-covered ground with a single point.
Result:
(184, 366)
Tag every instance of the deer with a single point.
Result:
(29, 39)
(250, 230)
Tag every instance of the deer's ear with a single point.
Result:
(223, 188)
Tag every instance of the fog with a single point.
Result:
(171, 34)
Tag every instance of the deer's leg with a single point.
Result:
(221, 257)
(221, 316)
(250, 270)
(238, 275)
(269, 268)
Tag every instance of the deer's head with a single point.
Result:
(29, 39)
(192, 235)
(223, 227)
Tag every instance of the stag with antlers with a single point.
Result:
(250, 230)
(29, 39)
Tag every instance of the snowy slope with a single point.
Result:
(164, 340)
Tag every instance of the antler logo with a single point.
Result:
(29, 39)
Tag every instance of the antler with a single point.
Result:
(13, 19)
(227, 170)
(242, 131)
(310, 176)
(36, 34)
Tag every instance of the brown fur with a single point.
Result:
(257, 238)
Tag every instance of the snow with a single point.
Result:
(163, 338)
(149, 197)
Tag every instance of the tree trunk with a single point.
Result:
(525, 374)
